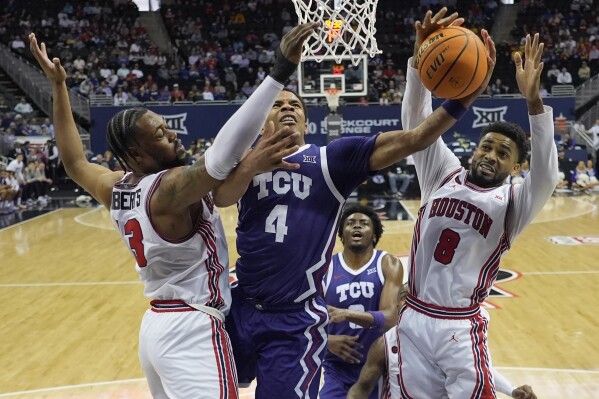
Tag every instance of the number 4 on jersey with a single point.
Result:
(276, 222)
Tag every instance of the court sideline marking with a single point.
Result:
(93, 225)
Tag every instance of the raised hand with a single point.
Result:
(529, 75)
(272, 147)
(491, 60)
(52, 68)
(346, 347)
(432, 23)
(293, 41)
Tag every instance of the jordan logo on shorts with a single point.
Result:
(453, 338)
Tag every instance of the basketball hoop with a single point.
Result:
(347, 28)
(332, 95)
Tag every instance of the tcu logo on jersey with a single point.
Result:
(281, 182)
(355, 290)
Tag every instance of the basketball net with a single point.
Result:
(347, 28)
(332, 96)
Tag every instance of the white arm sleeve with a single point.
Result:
(502, 384)
(538, 185)
(241, 130)
(437, 161)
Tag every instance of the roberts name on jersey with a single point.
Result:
(125, 200)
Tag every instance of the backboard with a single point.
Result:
(315, 77)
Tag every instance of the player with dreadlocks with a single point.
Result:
(164, 211)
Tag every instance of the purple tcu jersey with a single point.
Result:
(360, 290)
(288, 219)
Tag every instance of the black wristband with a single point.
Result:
(283, 68)
(454, 108)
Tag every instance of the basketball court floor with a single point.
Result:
(73, 304)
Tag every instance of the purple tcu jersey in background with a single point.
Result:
(356, 290)
(288, 220)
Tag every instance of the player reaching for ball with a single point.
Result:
(467, 221)
(164, 212)
(285, 235)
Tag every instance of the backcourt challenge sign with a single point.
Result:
(574, 240)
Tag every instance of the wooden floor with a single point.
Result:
(73, 305)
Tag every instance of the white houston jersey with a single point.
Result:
(466, 227)
(391, 388)
(194, 269)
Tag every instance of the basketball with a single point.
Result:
(452, 62)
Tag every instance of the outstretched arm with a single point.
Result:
(373, 369)
(436, 161)
(95, 179)
(268, 155)
(393, 146)
(538, 185)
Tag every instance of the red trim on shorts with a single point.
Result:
(217, 359)
(229, 362)
(173, 305)
(440, 312)
(402, 387)
(484, 388)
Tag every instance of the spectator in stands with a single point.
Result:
(207, 94)
(564, 77)
(17, 45)
(582, 179)
(568, 142)
(519, 176)
(17, 150)
(395, 174)
(49, 127)
(123, 71)
(7, 193)
(164, 94)
(110, 160)
(499, 88)
(584, 72)
(120, 97)
(86, 87)
(15, 169)
(564, 166)
(177, 94)
(552, 74)
(99, 160)
(23, 107)
(44, 182)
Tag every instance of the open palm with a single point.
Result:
(528, 75)
(52, 68)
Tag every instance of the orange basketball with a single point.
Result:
(452, 62)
